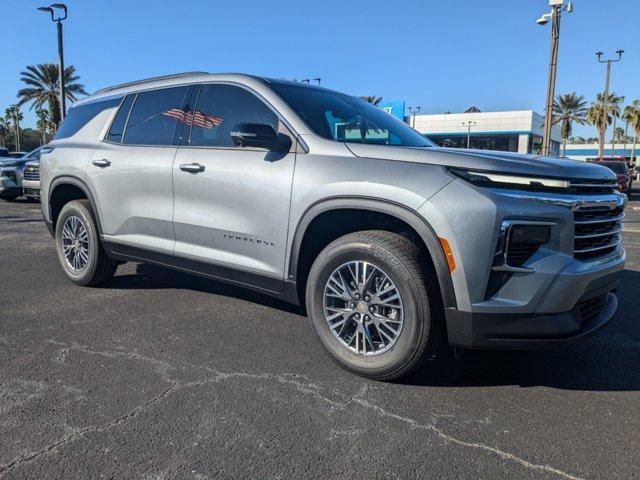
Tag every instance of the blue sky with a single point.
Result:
(441, 55)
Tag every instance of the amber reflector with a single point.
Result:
(448, 254)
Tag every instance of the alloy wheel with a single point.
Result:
(75, 243)
(363, 308)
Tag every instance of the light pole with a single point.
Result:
(605, 105)
(412, 113)
(556, 9)
(469, 124)
(58, 19)
(317, 79)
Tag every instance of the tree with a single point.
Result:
(43, 123)
(15, 116)
(618, 135)
(568, 108)
(595, 113)
(5, 125)
(631, 115)
(43, 87)
(372, 99)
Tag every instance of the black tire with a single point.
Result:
(400, 259)
(99, 267)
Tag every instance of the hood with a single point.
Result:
(488, 160)
(12, 162)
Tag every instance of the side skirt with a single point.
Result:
(272, 286)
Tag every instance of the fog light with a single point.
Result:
(530, 234)
(517, 243)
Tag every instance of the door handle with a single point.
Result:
(101, 163)
(192, 167)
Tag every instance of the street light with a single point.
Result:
(317, 79)
(469, 124)
(58, 18)
(412, 113)
(557, 6)
(605, 105)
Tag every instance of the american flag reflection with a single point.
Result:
(196, 118)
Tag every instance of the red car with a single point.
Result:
(625, 180)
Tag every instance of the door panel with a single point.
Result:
(235, 212)
(134, 194)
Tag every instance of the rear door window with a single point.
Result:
(117, 127)
(154, 117)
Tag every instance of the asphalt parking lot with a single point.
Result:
(161, 375)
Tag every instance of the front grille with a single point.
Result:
(32, 173)
(597, 232)
(592, 307)
(593, 186)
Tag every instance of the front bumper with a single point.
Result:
(504, 331)
(31, 188)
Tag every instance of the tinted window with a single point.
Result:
(617, 167)
(154, 117)
(78, 117)
(117, 127)
(344, 118)
(220, 108)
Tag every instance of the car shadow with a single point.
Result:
(606, 361)
(153, 277)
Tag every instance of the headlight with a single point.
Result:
(502, 180)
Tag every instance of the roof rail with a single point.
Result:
(147, 80)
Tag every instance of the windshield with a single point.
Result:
(344, 118)
(617, 167)
(34, 154)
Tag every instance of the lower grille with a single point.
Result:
(591, 308)
(32, 173)
(597, 232)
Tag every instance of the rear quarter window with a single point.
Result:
(78, 117)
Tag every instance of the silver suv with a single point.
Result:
(322, 199)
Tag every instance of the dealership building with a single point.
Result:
(589, 151)
(514, 131)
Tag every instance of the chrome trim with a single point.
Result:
(596, 235)
(601, 220)
(602, 247)
(576, 202)
(501, 256)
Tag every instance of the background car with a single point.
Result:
(31, 178)
(11, 174)
(625, 179)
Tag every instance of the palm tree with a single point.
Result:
(372, 99)
(15, 116)
(43, 87)
(595, 114)
(616, 101)
(568, 108)
(618, 135)
(632, 116)
(43, 123)
(5, 125)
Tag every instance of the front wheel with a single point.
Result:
(78, 245)
(373, 305)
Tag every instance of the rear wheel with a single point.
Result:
(372, 305)
(78, 245)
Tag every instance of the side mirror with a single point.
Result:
(256, 135)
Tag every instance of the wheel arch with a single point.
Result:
(64, 189)
(341, 208)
